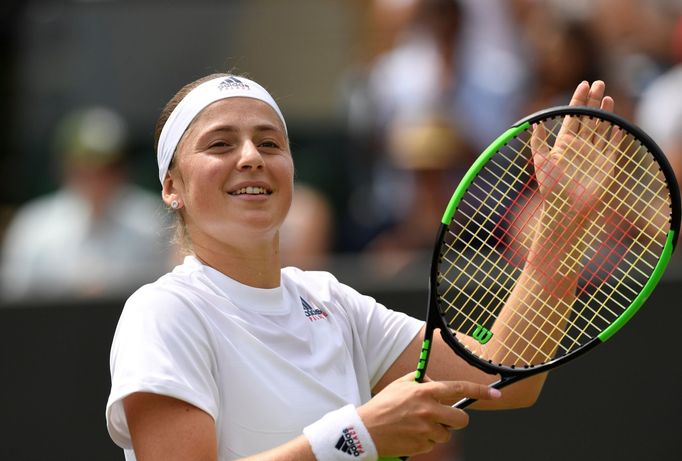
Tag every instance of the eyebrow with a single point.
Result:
(231, 128)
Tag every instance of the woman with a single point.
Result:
(229, 356)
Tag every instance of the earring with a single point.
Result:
(175, 204)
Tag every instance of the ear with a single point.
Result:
(172, 189)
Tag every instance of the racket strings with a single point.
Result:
(470, 309)
(493, 210)
(523, 318)
(582, 332)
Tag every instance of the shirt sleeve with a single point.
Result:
(383, 333)
(162, 346)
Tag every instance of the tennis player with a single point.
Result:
(229, 356)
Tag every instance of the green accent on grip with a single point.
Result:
(644, 294)
(477, 166)
(423, 357)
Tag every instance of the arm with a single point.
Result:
(404, 419)
(527, 300)
(167, 429)
(445, 365)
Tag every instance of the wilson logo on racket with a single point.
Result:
(313, 313)
(482, 334)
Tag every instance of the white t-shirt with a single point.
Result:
(264, 363)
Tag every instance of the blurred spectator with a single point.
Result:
(306, 237)
(430, 148)
(95, 236)
(411, 78)
(455, 60)
(659, 111)
(492, 69)
(564, 54)
(633, 40)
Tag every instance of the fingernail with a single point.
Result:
(494, 393)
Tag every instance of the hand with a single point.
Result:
(407, 418)
(574, 173)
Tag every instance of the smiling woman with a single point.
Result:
(181, 129)
(232, 177)
(231, 356)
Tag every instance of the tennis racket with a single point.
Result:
(552, 241)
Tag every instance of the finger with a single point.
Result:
(449, 392)
(410, 377)
(595, 98)
(441, 433)
(538, 144)
(596, 93)
(579, 98)
(616, 145)
(580, 94)
(451, 418)
(608, 104)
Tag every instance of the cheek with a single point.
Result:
(288, 179)
(203, 176)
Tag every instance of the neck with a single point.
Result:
(253, 264)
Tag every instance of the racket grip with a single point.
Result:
(465, 402)
(402, 458)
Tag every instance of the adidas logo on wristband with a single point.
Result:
(349, 443)
(340, 435)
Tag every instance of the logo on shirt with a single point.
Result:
(349, 443)
(232, 83)
(313, 313)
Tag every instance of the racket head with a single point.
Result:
(483, 242)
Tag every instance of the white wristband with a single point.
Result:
(340, 435)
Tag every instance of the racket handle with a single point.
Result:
(465, 402)
(402, 458)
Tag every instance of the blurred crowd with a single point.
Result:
(443, 78)
(435, 82)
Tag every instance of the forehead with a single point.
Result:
(239, 111)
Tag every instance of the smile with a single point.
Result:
(250, 190)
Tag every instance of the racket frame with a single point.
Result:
(510, 374)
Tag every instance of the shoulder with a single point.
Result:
(175, 297)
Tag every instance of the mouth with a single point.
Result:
(251, 190)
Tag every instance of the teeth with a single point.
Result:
(250, 190)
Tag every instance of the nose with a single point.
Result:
(249, 157)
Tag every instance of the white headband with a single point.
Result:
(198, 99)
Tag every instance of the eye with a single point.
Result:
(219, 145)
(269, 144)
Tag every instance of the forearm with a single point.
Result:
(531, 325)
(297, 449)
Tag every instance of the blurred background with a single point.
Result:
(387, 101)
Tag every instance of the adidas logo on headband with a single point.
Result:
(232, 83)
